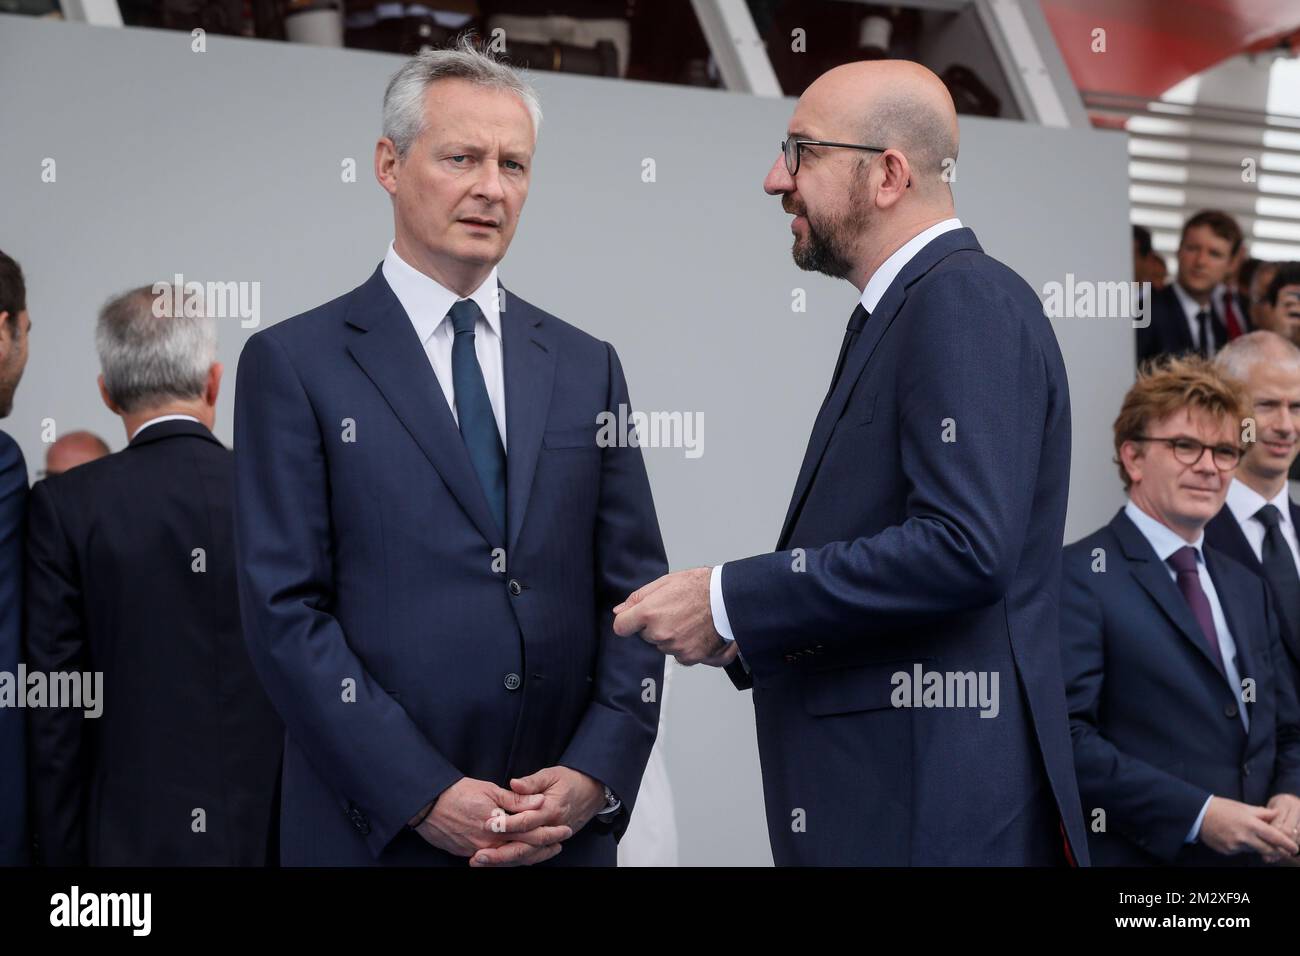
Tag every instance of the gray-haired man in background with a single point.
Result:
(131, 573)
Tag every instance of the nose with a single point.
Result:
(778, 179)
(1205, 464)
(487, 186)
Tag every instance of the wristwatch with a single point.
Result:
(612, 804)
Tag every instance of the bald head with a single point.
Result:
(893, 104)
(73, 449)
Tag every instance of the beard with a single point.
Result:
(828, 246)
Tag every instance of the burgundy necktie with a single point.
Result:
(1183, 561)
(1230, 319)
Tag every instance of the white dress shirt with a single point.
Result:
(872, 293)
(427, 303)
(164, 418)
(1164, 541)
(1244, 502)
(1191, 309)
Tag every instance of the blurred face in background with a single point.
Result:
(1284, 316)
(1274, 389)
(1180, 496)
(1204, 260)
(1260, 311)
(13, 356)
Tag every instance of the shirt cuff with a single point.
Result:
(718, 606)
(1195, 833)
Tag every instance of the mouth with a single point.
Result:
(480, 222)
(1280, 448)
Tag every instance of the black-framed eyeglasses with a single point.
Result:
(1188, 451)
(791, 147)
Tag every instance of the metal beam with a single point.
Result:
(736, 46)
(1032, 63)
(98, 13)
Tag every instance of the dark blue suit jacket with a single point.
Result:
(901, 547)
(1168, 332)
(14, 844)
(1155, 722)
(405, 641)
(1224, 534)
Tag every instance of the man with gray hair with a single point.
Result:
(131, 583)
(1257, 525)
(431, 536)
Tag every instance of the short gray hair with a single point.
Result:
(1240, 355)
(150, 352)
(404, 98)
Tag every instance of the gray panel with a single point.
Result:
(225, 165)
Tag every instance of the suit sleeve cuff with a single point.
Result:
(718, 606)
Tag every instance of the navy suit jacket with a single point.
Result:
(113, 587)
(925, 528)
(1156, 724)
(1224, 534)
(406, 641)
(1168, 332)
(13, 763)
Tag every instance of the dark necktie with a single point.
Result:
(1280, 569)
(1206, 345)
(1183, 561)
(856, 322)
(478, 426)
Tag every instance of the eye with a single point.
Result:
(1183, 445)
(513, 166)
(459, 160)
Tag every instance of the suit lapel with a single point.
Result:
(1230, 539)
(392, 356)
(856, 361)
(529, 374)
(1153, 575)
(1230, 602)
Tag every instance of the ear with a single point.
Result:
(897, 178)
(386, 164)
(214, 384)
(6, 334)
(103, 394)
(1130, 455)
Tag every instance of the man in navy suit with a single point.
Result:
(1258, 523)
(14, 327)
(1184, 716)
(901, 642)
(1184, 315)
(432, 536)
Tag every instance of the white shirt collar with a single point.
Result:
(1244, 501)
(880, 280)
(1162, 538)
(165, 418)
(1191, 308)
(427, 301)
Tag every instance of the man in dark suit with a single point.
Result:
(1184, 716)
(131, 574)
(1257, 525)
(432, 536)
(1183, 314)
(15, 324)
(922, 542)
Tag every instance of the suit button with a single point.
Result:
(515, 587)
(512, 682)
(1230, 710)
